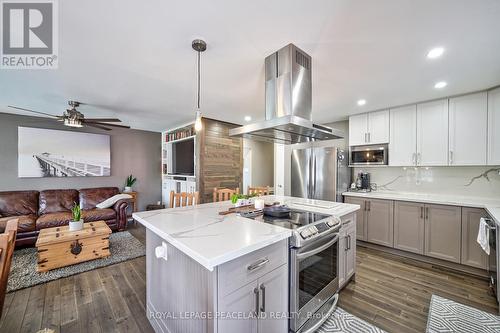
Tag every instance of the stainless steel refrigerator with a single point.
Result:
(320, 173)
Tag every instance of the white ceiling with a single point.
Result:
(133, 59)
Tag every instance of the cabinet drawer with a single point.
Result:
(239, 272)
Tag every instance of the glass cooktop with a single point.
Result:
(296, 218)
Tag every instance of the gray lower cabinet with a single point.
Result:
(379, 221)
(246, 293)
(361, 217)
(443, 232)
(472, 253)
(262, 299)
(347, 250)
(409, 229)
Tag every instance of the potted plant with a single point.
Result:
(129, 183)
(77, 223)
(239, 200)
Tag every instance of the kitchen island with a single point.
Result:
(221, 273)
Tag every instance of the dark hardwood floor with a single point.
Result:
(390, 292)
(394, 293)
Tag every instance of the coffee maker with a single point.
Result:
(363, 182)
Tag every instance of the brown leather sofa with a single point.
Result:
(38, 210)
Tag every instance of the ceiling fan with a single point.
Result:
(74, 118)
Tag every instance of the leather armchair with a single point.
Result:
(120, 207)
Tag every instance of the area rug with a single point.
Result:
(449, 316)
(23, 274)
(343, 321)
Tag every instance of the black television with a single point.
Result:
(183, 157)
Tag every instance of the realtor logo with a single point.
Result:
(29, 34)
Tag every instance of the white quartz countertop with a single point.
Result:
(491, 205)
(212, 239)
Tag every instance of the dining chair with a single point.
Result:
(259, 190)
(224, 194)
(7, 244)
(183, 199)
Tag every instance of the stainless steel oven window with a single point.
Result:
(314, 278)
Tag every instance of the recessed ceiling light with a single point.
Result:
(440, 84)
(435, 53)
(248, 118)
(361, 102)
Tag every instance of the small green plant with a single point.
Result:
(77, 212)
(130, 181)
(235, 197)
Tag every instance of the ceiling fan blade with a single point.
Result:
(106, 120)
(99, 123)
(23, 109)
(98, 126)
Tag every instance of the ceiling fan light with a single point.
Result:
(72, 122)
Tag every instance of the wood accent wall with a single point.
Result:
(219, 158)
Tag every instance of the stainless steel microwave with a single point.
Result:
(369, 155)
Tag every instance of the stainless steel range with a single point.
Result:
(313, 257)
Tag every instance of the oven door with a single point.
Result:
(369, 155)
(313, 278)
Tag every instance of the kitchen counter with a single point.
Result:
(492, 206)
(212, 239)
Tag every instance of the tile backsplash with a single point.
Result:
(466, 181)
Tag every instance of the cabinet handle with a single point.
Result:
(369, 137)
(421, 212)
(414, 158)
(419, 158)
(451, 157)
(366, 137)
(256, 292)
(346, 243)
(369, 205)
(349, 242)
(258, 264)
(426, 213)
(263, 307)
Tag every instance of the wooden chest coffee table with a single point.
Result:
(59, 247)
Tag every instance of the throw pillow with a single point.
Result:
(111, 201)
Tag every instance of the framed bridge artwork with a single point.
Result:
(55, 153)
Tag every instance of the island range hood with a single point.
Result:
(288, 102)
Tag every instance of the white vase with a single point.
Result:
(75, 225)
(127, 189)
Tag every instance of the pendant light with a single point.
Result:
(199, 46)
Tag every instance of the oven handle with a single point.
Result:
(325, 317)
(318, 249)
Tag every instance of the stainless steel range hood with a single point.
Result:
(288, 102)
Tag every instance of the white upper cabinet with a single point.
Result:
(369, 128)
(494, 127)
(378, 127)
(358, 130)
(403, 136)
(432, 133)
(468, 129)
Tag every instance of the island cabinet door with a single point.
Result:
(379, 220)
(273, 305)
(243, 301)
(409, 226)
(443, 231)
(360, 218)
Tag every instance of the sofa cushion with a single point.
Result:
(90, 197)
(53, 220)
(98, 214)
(17, 203)
(25, 223)
(54, 201)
